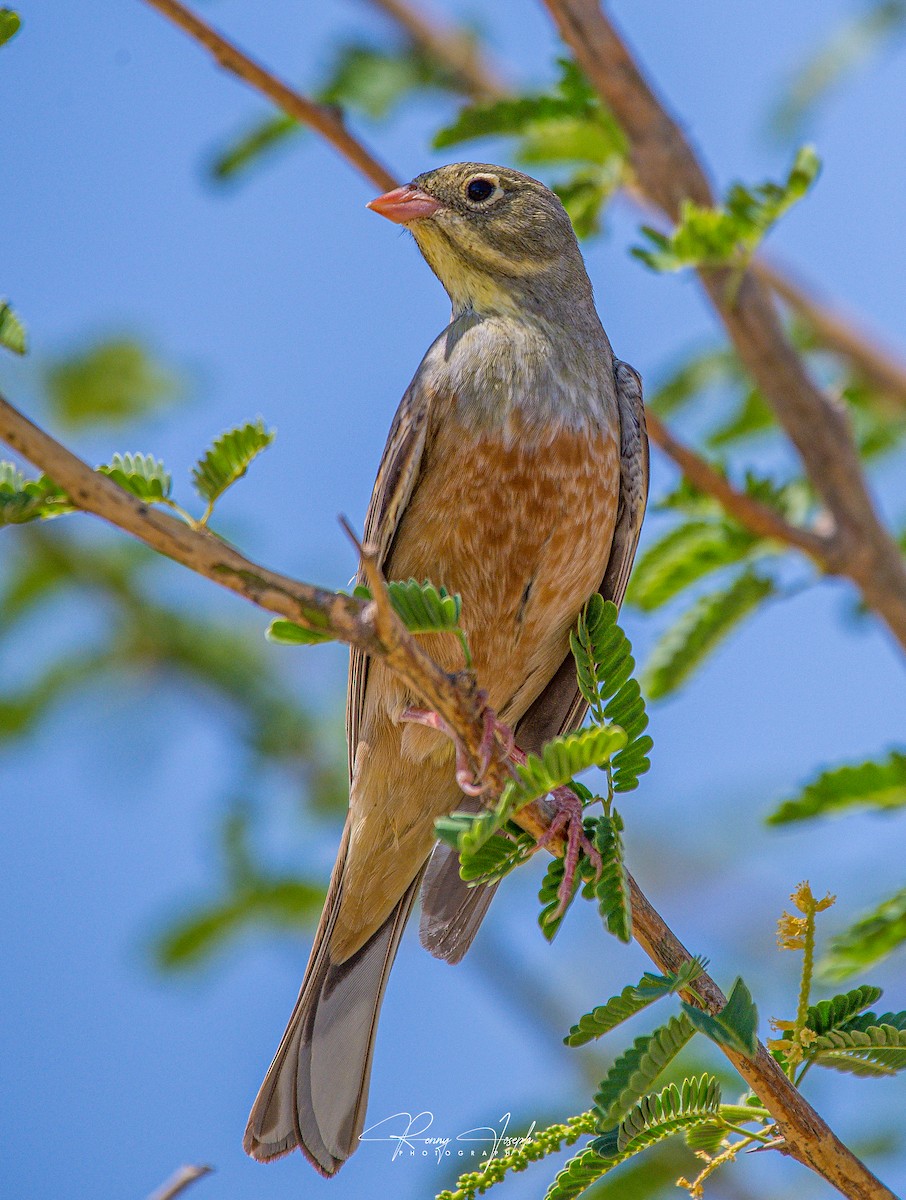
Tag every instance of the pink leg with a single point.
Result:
(464, 776)
(569, 812)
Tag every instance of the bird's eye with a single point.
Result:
(480, 189)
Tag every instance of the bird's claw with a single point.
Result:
(568, 816)
(568, 820)
(469, 782)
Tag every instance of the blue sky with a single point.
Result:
(285, 297)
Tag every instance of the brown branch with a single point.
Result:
(375, 628)
(748, 511)
(352, 621)
(668, 172)
(179, 1181)
(325, 120)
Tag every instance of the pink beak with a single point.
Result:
(405, 204)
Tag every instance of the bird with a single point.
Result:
(515, 474)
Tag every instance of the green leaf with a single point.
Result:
(700, 630)
(731, 233)
(579, 1174)
(422, 607)
(288, 633)
(497, 857)
(228, 459)
(561, 759)
(873, 785)
(699, 372)
(659, 1116)
(254, 144)
(752, 416)
(23, 500)
(869, 940)
(873, 1051)
(632, 1000)
(839, 1011)
(585, 195)
(736, 1025)
(707, 1137)
(275, 903)
(612, 886)
(12, 331)
(141, 474)
(112, 383)
(683, 556)
(635, 1071)
(9, 27)
(604, 666)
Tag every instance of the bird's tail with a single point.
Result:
(316, 1089)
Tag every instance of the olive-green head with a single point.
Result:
(498, 240)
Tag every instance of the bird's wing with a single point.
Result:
(394, 485)
(452, 911)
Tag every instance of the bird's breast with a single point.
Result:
(519, 521)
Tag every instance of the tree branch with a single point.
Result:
(748, 511)
(454, 697)
(179, 1181)
(668, 172)
(374, 628)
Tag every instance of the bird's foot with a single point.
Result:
(469, 782)
(568, 822)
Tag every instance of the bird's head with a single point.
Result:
(499, 241)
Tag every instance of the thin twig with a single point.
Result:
(179, 1181)
(748, 511)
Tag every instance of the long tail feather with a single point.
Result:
(315, 1092)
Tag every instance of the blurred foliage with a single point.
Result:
(114, 382)
(728, 235)
(877, 25)
(877, 785)
(868, 940)
(9, 24)
(224, 663)
(12, 331)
